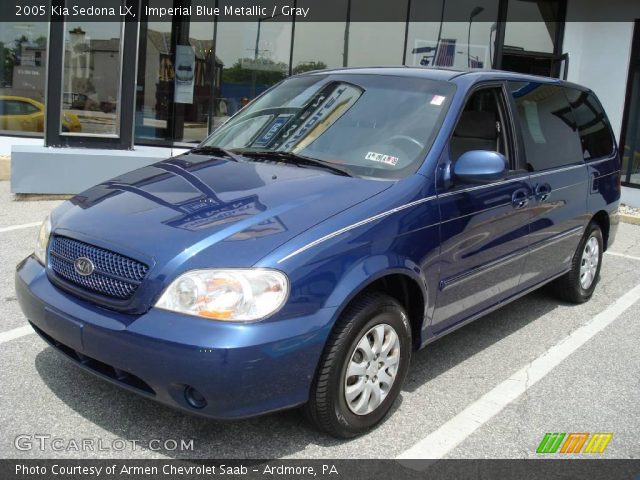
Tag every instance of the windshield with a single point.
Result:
(368, 125)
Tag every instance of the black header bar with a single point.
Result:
(302, 10)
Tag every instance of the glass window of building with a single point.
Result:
(23, 71)
(91, 78)
(375, 43)
(310, 53)
(194, 78)
(154, 92)
(174, 86)
(253, 56)
(630, 142)
(530, 36)
(453, 44)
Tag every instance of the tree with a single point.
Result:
(270, 72)
(6, 66)
(41, 41)
(308, 67)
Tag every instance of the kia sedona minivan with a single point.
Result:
(184, 74)
(339, 222)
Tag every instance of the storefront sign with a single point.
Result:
(185, 71)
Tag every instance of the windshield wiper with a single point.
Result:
(211, 150)
(288, 157)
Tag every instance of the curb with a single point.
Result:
(38, 197)
(632, 219)
(5, 167)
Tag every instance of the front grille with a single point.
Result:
(114, 276)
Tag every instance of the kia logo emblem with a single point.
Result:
(83, 266)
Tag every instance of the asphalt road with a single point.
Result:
(595, 387)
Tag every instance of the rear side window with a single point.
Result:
(592, 123)
(12, 107)
(28, 109)
(548, 127)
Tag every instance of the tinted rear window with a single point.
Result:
(592, 123)
(548, 126)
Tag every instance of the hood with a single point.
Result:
(194, 211)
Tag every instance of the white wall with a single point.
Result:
(599, 59)
(599, 52)
(630, 196)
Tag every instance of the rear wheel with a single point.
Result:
(363, 367)
(577, 285)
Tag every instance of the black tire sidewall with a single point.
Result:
(391, 313)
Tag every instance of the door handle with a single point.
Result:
(520, 198)
(542, 191)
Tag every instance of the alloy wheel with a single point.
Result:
(589, 262)
(372, 369)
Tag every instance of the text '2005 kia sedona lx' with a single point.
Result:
(337, 223)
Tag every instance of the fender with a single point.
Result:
(368, 271)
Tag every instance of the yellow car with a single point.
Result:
(24, 114)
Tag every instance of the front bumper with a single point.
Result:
(241, 369)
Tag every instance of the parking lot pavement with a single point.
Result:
(19, 213)
(19, 223)
(595, 389)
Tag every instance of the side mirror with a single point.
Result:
(480, 166)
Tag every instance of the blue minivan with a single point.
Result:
(337, 223)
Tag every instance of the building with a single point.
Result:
(148, 90)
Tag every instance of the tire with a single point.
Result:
(328, 408)
(571, 287)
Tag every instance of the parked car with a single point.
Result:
(23, 114)
(91, 103)
(184, 74)
(108, 106)
(339, 222)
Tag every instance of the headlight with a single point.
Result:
(43, 241)
(233, 294)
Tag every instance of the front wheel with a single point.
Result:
(578, 284)
(363, 367)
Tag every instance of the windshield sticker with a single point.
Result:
(437, 100)
(382, 158)
(321, 115)
(275, 127)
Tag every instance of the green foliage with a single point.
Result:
(271, 72)
(309, 66)
(6, 65)
(41, 41)
(10, 56)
